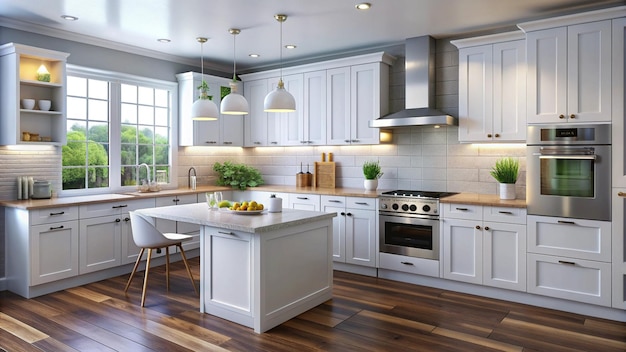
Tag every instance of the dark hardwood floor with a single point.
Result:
(365, 314)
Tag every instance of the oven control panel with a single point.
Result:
(409, 205)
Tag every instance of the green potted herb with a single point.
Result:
(372, 172)
(505, 171)
(237, 175)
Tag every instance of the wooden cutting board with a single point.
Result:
(324, 174)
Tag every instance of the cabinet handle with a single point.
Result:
(334, 201)
(349, 214)
(175, 200)
(343, 213)
(228, 143)
(572, 116)
(506, 212)
(274, 142)
(256, 142)
(477, 227)
(566, 262)
(118, 220)
(303, 198)
(225, 233)
(302, 142)
(488, 135)
(119, 206)
(486, 228)
(561, 116)
(497, 135)
(361, 203)
(59, 213)
(461, 209)
(309, 142)
(355, 141)
(126, 219)
(566, 222)
(56, 228)
(407, 263)
(346, 140)
(619, 194)
(210, 142)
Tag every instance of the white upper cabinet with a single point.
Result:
(335, 100)
(18, 68)
(227, 130)
(619, 123)
(569, 67)
(492, 88)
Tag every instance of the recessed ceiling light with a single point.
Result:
(69, 18)
(254, 55)
(290, 46)
(363, 6)
(163, 40)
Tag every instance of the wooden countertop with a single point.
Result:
(200, 214)
(484, 199)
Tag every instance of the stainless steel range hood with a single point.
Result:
(420, 89)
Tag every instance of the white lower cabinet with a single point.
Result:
(485, 245)
(570, 259)
(177, 226)
(53, 252)
(619, 248)
(304, 201)
(355, 233)
(103, 229)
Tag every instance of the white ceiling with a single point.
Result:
(319, 28)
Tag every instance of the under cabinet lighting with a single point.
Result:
(290, 46)
(69, 18)
(254, 55)
(363, 6)
(163, 40)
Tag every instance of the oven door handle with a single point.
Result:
(571, 157)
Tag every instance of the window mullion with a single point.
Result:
(115, 135)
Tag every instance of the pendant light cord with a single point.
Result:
(281, 50)
(234, 58)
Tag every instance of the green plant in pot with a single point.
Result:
(505, 171)
(372, 172)
(237, 175)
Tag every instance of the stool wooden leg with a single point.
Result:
(145, 280)
(132, 274)
(167, 268)
(193, 283)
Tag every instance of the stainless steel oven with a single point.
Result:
(569, 171)
(409, 223)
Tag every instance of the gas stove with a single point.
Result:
(411, 203)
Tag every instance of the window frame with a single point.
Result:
(116, 79)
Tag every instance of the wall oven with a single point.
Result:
(569, 171)
(409, 223)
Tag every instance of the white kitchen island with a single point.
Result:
(259, 270)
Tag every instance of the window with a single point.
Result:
(115, 124)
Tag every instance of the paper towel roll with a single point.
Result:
(275, 205)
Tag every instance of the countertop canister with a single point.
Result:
(275, 204)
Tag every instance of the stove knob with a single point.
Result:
(426, 208)
(394, 206)
(383, 206)
(413, 207)
(405, 207)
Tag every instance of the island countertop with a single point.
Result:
(200, 214)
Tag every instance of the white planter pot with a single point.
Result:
(370, 185)
(507, 191)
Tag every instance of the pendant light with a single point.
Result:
(280, 100)
(203, 109)
(234, 103)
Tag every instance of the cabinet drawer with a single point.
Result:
(50, 215)
(361, 203)
(102, 209)
(304, 201)
(575, 279)
(333, 201)
(505, 214)
(138, 204)
(576, 238)
(463, 211)
(410, 265)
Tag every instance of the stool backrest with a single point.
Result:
(144, 233)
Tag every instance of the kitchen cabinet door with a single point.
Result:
(256, 122)
(463, 250)
(369, 100)
(338, 106)
(619, 248)
(337, 205)
(314, 108)
(292, 123)
(100, 243)
(361, 237)
(619, 119)
(53, 252)
(504, 263)
(569, 73)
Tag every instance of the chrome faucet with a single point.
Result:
(191, 184)
(147, 171)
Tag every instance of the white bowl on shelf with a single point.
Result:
(44, 105)
(28, 104)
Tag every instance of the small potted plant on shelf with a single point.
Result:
(372, 172)
(505, 172)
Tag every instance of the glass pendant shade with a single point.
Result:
(279, 100)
